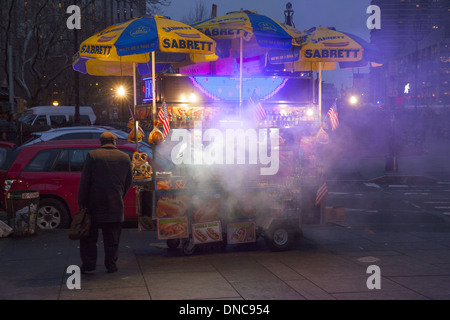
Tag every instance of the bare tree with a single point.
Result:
(43, 46)
(154, 6)
(198, 13)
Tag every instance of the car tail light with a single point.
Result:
(9, 180)
(8, 184)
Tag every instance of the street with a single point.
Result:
(384, 204)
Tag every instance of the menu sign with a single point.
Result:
(241, 232)
(173, 228)
(207, 232)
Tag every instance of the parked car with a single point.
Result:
(6, 149)
(71, 133)
(54, 169)
(57, 116)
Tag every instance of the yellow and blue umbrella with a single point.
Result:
(325, 48)
(247, 33)
(114, 50)
(330, 45)
(258, 31)
(139, 42)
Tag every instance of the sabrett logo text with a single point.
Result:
(224, 32)
(91, 49)
(187, 44)
(332, 53)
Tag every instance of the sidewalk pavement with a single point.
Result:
(330, 262)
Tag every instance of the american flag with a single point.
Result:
(163, 116)
(259, 112)
(332, 113)
(321, 193)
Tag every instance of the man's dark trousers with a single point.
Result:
(111, 237)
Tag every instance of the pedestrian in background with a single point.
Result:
(105, 180)
(9, 128)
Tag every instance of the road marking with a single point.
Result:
(362, 210)
(372, 185)
(413, 204)
(368, 259)
(415, 193)
(437, 202)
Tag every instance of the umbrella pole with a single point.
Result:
(154, 117)
(241, 54)
(153, 87)
(136, 124)
(320, 93)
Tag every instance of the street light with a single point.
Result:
(353, 100)
(121, 94)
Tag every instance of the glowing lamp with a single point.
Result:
(121, 91)
(353, 100)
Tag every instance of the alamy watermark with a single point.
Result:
(374, 21)
(227, 147)
(74, 21)
(374, 280)
(74, 280)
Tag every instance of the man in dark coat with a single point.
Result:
(105, 180)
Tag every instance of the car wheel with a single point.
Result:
(52, 214)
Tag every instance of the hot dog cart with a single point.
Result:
(220, 189)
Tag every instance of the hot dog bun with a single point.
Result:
(200, 235)
(213, 234)
(170, 208)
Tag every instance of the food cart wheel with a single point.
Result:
(188, 247)
(279, 238)
(173, 243)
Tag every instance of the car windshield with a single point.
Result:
(26, 118)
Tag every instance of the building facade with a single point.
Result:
(414, 38)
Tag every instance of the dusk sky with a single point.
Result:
(345, 15)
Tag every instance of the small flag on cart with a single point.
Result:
(321, 193)
(258, 110)
(333, 115)
(163, 116)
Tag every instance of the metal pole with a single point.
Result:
(11, 77)
(136, 124)
(241, 57)
(76, 119)
(320, 93)
(153, 86)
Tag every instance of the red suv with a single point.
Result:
(54, 169)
